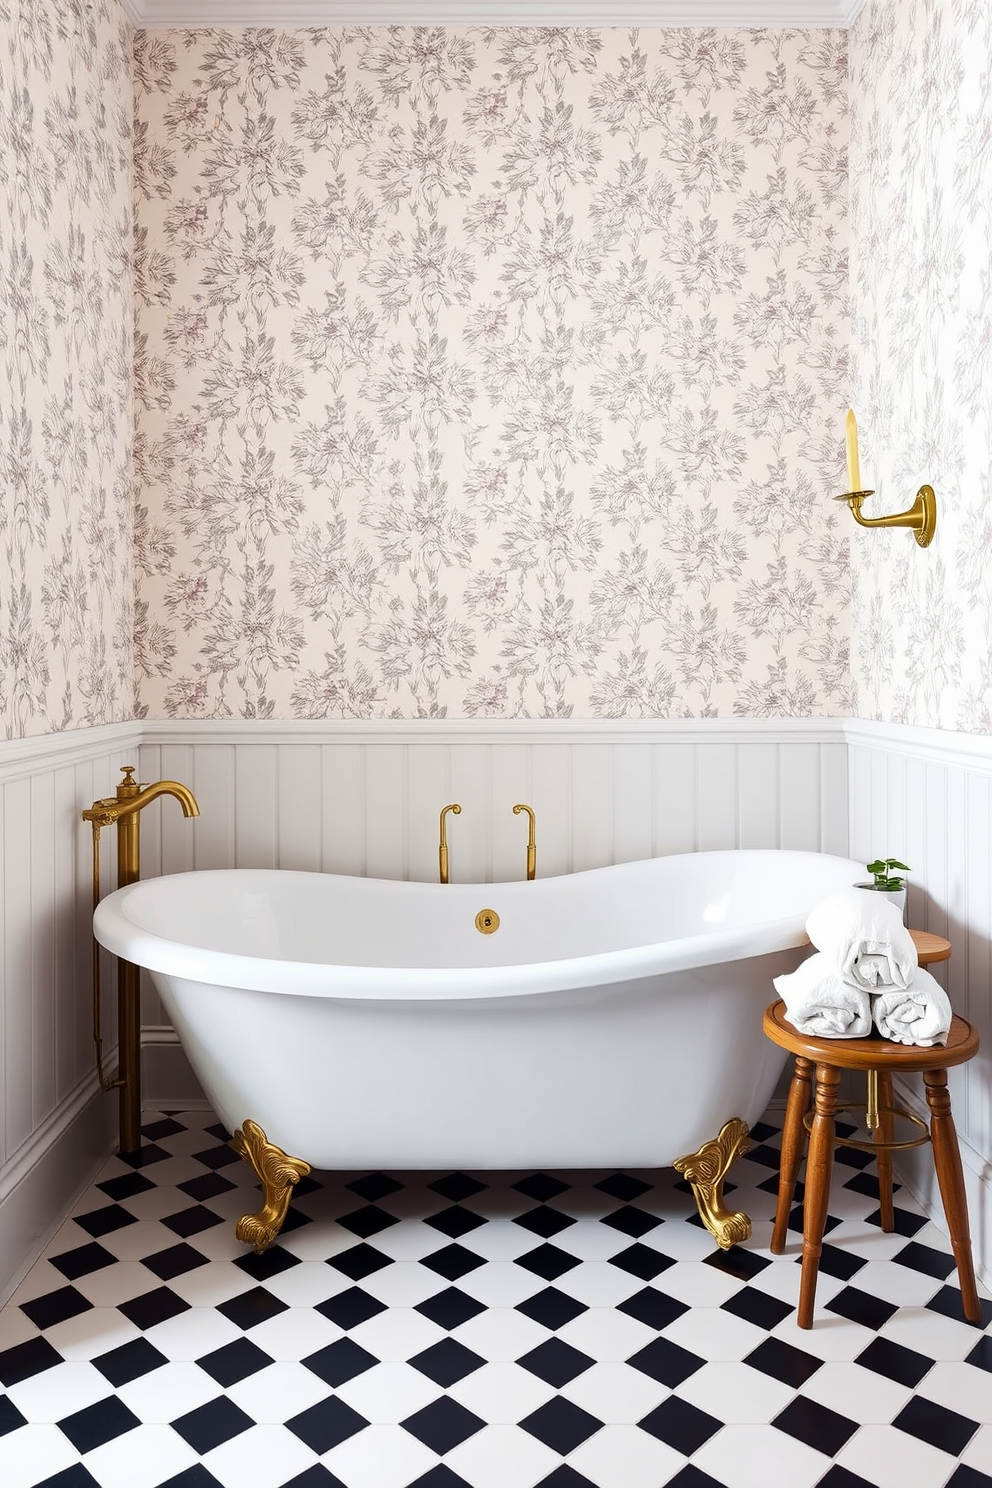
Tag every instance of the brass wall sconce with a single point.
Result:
(920, 518)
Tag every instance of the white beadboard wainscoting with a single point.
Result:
(924, 796)
(55, 1127)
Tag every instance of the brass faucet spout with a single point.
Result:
(111, 809)
(442, 851)
(531, 839)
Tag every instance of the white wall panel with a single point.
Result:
(632, 769)
(298, 809)
(342, 801)
(19, 1047)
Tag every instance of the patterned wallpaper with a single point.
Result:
(66, 585)
(921, 137)
(490, 373)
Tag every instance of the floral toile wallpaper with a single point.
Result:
(491, 372)
(922, 294)
(66, 585)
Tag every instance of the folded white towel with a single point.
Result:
(865, 939)
(920, 1014)
(818, 1001)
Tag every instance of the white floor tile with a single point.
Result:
(264, 1456)
(293, 1334)
(756, 1456)
(388, 1393)
(500, 1456)
(736, 1393)
(58, 1392)
(501, 1393)
(961, 1388)
(714, 1333)
(28, 1457)
(404, 1284)
(605, 1334)
(930, 1333)
(379, 1457)
(616, 1393)
(627, 1456)
(502, 1334)
(858, 1393)
(142, 1458)
(397, 1334)
(890, 1458)
(165, 1394)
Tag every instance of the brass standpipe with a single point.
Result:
(123, 810)
(442, 851)
(531, 839)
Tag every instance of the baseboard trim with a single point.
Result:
(48, 1174)
(167, 1081)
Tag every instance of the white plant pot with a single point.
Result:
(893, 896)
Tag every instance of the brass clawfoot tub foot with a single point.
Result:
(277, 1174)
(705, 1170)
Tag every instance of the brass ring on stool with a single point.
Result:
(876, 1146)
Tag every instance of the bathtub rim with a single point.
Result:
(121, 934)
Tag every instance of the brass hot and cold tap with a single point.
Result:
(123, 810)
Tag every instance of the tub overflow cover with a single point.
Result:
(486, 921)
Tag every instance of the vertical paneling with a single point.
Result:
(936, 847)
(918, 907)
(551, 798)
(176, 831)
(342, 796)
(298, 816)
(72, 976)
(632, 769)
(799, 794)
(43, 928)
(510, 773)
(592, 806)
(977, 858)
(256, 829)
(470, 834)
(716, 796)
(834, 786)
(19, 1049)
(385, 811)
(214, 833)
(676, 792)
(428, 789)
(760, 809)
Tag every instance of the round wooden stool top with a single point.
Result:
(873, 1052)
(930, 948)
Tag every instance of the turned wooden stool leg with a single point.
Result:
(793, 1141)
(819, 1161)
(883, 1156)
(950, 1179)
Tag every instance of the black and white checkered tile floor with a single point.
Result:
(567, 1330)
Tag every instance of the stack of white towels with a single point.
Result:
(865, 971)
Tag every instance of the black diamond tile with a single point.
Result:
(680, 1425)
(340, 1362)
(692, 1477)
(101, 1422)
(158, 1130)
(106, 1220)
(640, 1260)
(623, 1187)
(783, 1362)
(926, 1260)
(565, 1477)
(653, 1308)
(129, 1362)
(217, 1157)
(450, 1308)
(192, 1221)
(443, 1425)
(360, 1261)
(374, 1186)
(10, 1417)
(209, 1425)
(440, 1477)
(350, 1308)
(540, 1187)
(55, 1307)
(761, 1131)
(177, 1260)
(27, 1359)
(757, 1307)
(854, 1157)
(810, 1422)
(948, 1303)
(895, 1362)
(666, 1362)
(307, 1186)
(153, 1307)
(968, 1477)
(980, 1356)
(936, 1425)
(796, 1221)
(456, 1187)
(207, 1186)
(447, 1362)
(904, 1222)
(561, 1425)
(744, 1264)
(126, 1186)
(632, 1221)
(251, 1308)
(76, 1476)
(765, 1157)
(147, 1155)
(194, 1477)
(220, 1132)
(83, 1261)
(544, 1221)
(548, 1261)
(551, 1308)
(317, 1476)
(369, 1220)
(455, 1222)
(453, 1261)
(272, 1262)
(861, 1307)
(839, 1477)
(842, 1264)
(556, 1363)
(234, 1362)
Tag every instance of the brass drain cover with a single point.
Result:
(487, 921)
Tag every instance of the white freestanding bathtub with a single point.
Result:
(612, 1019)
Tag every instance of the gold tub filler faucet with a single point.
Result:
(123, 810)
(531, 839)
(442, 851)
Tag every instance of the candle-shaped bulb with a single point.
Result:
(853, 467)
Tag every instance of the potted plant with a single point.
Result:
(887, 879)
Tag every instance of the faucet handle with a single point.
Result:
(128, 786)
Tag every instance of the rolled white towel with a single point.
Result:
(920, 1014)
(865, 939)
(818, 1001)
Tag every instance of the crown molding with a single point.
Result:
(206, 14)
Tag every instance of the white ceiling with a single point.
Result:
(206, 13)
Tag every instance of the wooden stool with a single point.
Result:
(880, 1059)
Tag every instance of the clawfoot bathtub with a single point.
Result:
(610, 1018)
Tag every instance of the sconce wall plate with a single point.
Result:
(921, 518)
